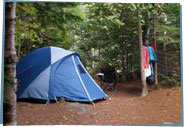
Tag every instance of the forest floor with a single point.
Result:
(124, 107)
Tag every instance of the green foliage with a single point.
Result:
(109, 34)
(102, 33)
(170, 81)
(169, 27)
(45, 24)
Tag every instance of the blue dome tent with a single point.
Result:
(50, 73)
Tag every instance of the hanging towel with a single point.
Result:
(147, 71)
(145, 56)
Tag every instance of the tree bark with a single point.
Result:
(131, 62)
(147, 33)
(122, 57)
(28, 47)
(143, 78)
(165, 57)
(127, 68)
(123, 66)
(99, 55)
(19, 50)
(156, 65)
(11, 60)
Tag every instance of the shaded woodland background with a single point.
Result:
(103, 33)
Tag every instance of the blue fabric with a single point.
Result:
(39, 87)
(59, 53)
(94, 92)
(152, 57)
(65, 82)
(150, 79)
(152, 54)
(31, 66)
(49, 73)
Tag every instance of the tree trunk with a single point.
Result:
(147, 33)
(143, 78)
(19, 49)
(123, 67)
(122, 57)
(156, 65)
(165, 58)
(28, 47)
(10, 59)
(99, 55)
(131, 65)
(131, 61)
(127, 68)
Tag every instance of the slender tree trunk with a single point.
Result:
(131, 66)
(165, 57)
(156, 65)
(143, 78)
(123, 57)
(93, 54)
(165, 49)
(147, 33)
(28, 47)
(10, 59)
(19, 49)
(123, 66)
(131, 61)
(127, 68)
(99, 55)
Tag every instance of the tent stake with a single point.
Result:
(47, 103)
(92, 103)
(56, 100)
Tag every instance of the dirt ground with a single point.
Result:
(124, 107)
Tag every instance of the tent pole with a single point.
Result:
(81, 80)
(90, 76)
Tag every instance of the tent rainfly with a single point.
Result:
(52, 73)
